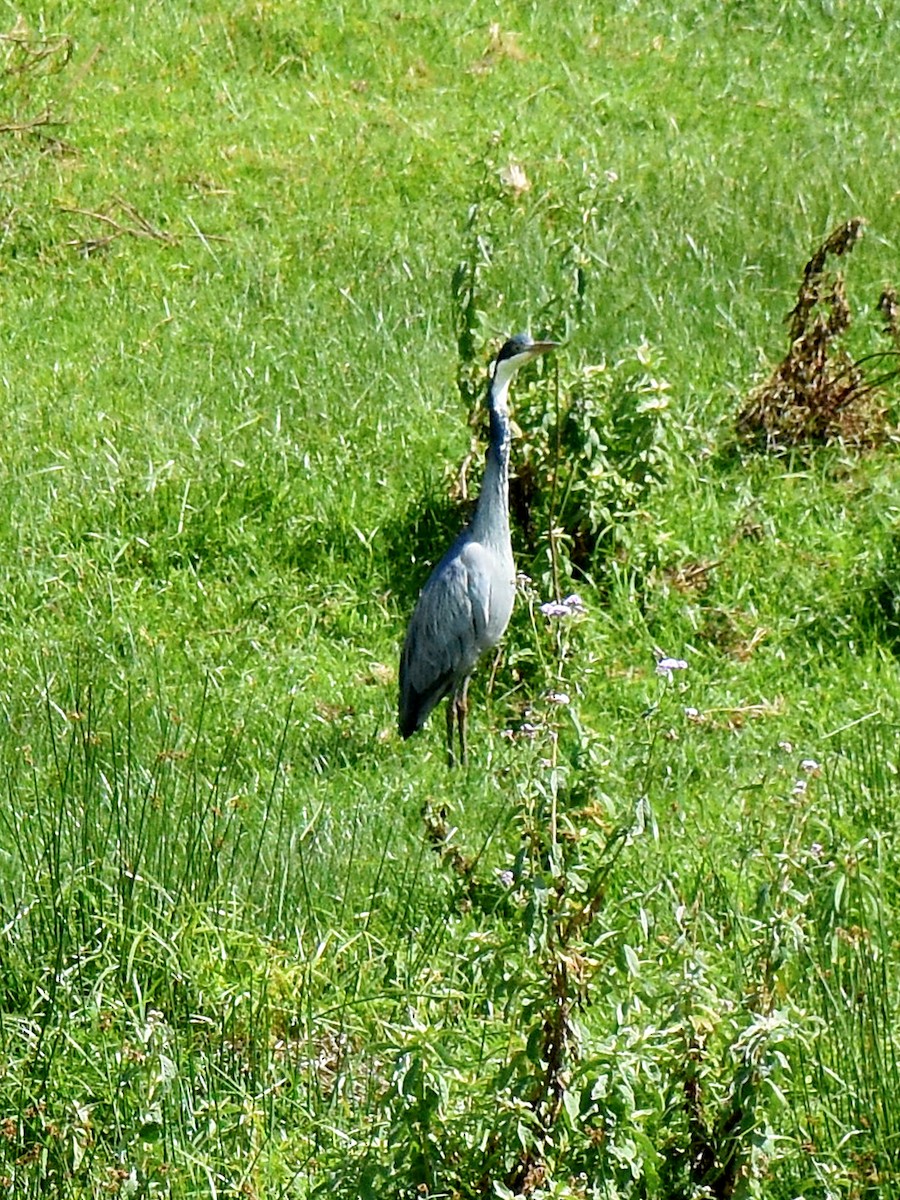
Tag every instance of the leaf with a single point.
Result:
(632, 962)
(839, 893)
(535, 1047)
(572, 1105)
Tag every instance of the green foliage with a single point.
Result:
(590, 461)
(590, 470)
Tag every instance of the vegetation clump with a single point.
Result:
(593, 455)
(818, 393)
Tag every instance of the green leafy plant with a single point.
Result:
(589, 462)
(590, 467)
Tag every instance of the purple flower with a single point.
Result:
(564, 608)
(665, 666)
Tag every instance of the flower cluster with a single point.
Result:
(812, 769)
(564, 608)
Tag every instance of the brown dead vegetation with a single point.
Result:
(818, 394)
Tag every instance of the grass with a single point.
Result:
(645, 952)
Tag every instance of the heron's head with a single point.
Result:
(520, 349)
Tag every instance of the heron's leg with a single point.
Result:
(462, 709)
(451, 710)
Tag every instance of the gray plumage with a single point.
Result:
(465, 605)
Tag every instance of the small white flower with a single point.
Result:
(817, 850)
(556, 698)
(810, 766)
(799, 788)
(506, 878)
(692, 713)
(787, 747)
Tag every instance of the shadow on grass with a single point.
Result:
(879, 607)
(416, 539)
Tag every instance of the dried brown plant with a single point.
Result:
(818, 393)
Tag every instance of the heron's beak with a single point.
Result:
(542, 347)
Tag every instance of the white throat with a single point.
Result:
(503, 377)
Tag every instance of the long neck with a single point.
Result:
(490, 523)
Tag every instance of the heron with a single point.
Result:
(466, 603)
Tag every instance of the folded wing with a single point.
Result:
(452, 624)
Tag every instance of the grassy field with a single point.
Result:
(253, 262)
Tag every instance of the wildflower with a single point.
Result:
(692, 713)
(665, 666)
(556, 698)
(817, 850)
(810, 766)
(799, 788)
(564, 608)
(787, 747)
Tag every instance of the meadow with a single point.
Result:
(254, 259)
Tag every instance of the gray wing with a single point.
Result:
(446, 634)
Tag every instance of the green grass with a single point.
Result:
(233, 961)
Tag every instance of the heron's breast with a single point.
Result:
(492, 591)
